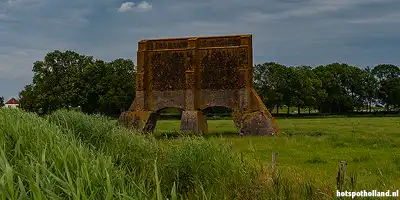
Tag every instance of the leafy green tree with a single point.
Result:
(110, 86)
(371, 87)
(68, 79)
(94, 86)
(28, 99)
(389, 92)
(122, 86)
(263, 85)
(355, 86)
(387, 76)
(336, 81)
(308, 91)
(318, 96)
(386, 71)
(270, 83)
(328, 81)
(297, 84)
(56, 81)
(289, 88)
(1, 102)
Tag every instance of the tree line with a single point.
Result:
(332, 88)
(71, 80)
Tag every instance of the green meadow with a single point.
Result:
(311, 149)
(70, 155)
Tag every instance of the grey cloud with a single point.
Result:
(131, 6)
(292, 32)
(127, 6)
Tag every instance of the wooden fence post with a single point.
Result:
(341, 176)
(274, 164)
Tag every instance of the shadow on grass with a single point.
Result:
(178, 134)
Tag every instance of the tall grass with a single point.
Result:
(131, 151)
(198, 168)
(37, 161)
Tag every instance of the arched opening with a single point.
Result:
(219, 120)
(169, 113)
(168, 121)
(218, 112)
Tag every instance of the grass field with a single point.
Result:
(311, 149)
(70, 155)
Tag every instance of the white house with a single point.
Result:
(12, 103)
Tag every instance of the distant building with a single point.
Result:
(12, 103)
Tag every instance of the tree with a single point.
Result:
(263, 85)
(371, 87)
(278, 85)
(307, 87)
(110, 86)
(318, 96)
(389, 92)
(288, 88)
(56, 81)
(386, 71)
(387, 76)
(68, 79)
(269, 81)
(354, 85)
(28, 99)
(1, 102)
(295, 85)
(341, 91)
(94, 86)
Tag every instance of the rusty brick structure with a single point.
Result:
(195, 73)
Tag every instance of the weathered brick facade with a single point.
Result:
(192, 74)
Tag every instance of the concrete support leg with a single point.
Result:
(194, 121)
(254, 123)
(139, 120)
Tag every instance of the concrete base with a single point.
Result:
(254, 123)
(139, 120)
(194, 121)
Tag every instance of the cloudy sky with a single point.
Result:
(291, 32)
